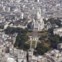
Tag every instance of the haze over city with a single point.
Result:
(30, 30)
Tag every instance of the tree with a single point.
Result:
(21, 40)
(10, 30)
(55, 39)
(55, 22)
(1, 26)
(44, 44)
(41, 49)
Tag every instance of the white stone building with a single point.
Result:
(37, 22)
(58, 31)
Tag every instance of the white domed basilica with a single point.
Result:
(37, 22)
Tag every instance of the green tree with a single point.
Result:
(55, 39)
(21, 40)
(41, 49)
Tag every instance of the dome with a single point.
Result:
(11, 59)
